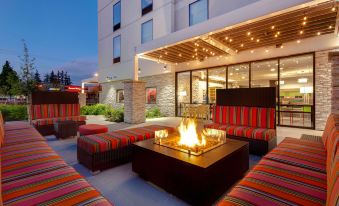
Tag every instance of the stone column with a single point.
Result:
(334, 58)
(82, 99)
(134, 102)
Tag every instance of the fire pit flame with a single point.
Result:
(189, 136)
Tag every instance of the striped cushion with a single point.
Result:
(244, 116)
(24, 160)
(41, 111)
(50, 121)
(63, 186)
(69, 110)
(20, 136)
(304, 145)
(333, 182)
(17, 125)
(117, 139)
(332, 124)
(242, 131)
(2, 130)
(273, 183)
(298, 156)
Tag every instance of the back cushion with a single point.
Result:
(69, 110)
(332, 124)
(2, 131)
(333, 182)
(44, 111)
(245, 116)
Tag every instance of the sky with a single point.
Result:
(60, 35)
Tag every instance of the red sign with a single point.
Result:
(72, 88)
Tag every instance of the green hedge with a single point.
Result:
(14, 112)
(153, 113)
(115, 114)
(97, 109)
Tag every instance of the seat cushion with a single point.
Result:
(24, 160)
(274, 183)
(63, 186)
(242, 131)
(89, 129)
(121, 138)
(51, 121)
(299, 155)
(333, 182)
(17, 125)
(22, 136)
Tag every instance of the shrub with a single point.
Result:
(115, 115)
(97, 109)
(153, 113)
(14, 112)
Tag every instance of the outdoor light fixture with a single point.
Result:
(96, 74)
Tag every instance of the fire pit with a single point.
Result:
(189, 140)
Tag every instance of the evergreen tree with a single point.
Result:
(62, 77)
(9, 81)
(27, 71)
(46, 79)
(37, 77)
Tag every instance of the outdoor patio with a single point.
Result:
(124, 187)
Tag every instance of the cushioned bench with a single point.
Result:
(255, 125)
(106, 150)
(32, 173)
(297, 172)
(43, 116)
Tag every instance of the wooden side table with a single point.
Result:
(65, 129)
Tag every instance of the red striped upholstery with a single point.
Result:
(333, 182)
(117, 139)
(41, 111)
(297, 155)
(273, 183)
(242, 131)
(17, 125)
(245, 116)
(69, 110)
(63, 186)
(331, 126)
(2, 130)
(40, 122)
(13, 137)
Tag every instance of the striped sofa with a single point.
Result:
(43, 116)
(33, 174)
(102, 151)
(297, 172)
(253, 124)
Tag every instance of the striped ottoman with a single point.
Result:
(89, 129)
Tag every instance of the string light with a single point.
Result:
(301, 32)
(298, 41)
(272, 27)
(305, 18)
(248, 33)
(333, 8)
(318, 33)
(258, 40)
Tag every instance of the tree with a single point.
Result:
(46, 79)
(9, 81)
(37, 77)
(27, 71)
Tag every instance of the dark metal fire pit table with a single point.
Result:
(198, 180)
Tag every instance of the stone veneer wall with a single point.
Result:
(326, 87)
(165, 84)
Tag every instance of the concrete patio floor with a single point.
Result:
(120, 184)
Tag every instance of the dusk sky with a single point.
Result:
(60, 34)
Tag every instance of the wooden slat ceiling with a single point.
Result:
(291, 26)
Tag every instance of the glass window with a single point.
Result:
(151, 95)
(147, 31)
(184, 90)
(116, 49)
(264, 73)
(198, 12)
(146, 6)
(296, 91)
(216, 80)
(120, 96)
(238, 76)
(116, 16)
(199, 87)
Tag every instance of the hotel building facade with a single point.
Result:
(168, 53)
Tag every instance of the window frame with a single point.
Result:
(156, 95)
(189, 12)
(117, 59)
(141, 39)
(146, 9)
(118, 25)
(118, 91)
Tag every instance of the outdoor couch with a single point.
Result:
(44, 116)
(255, 125)
(297, 172)
(32, 173)
(106, 150)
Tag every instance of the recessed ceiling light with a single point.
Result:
(298, 41)
(248, 33)
(272, 70)
(272, 27)
(302, 80)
